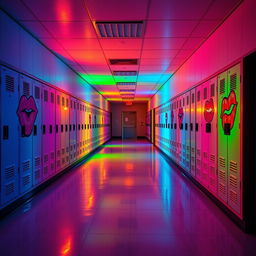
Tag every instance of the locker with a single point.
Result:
(37, 135)
(27, 112)
(187, 131)
(198, 131)
(83, 129)
(9, 136)
(209, 133)
(72, 130)
(193, 132)
(58, 131)
(180, 116)
(222, 140)
(48, 131)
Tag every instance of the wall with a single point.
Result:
(235, 38)
(22, 51)
(117, 109)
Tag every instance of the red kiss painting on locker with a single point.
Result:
(27, 112)
(209, 110)
(228, 109)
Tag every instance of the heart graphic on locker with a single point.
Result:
(180, 116)
(27, 112)
(209, 110)
(228, 109)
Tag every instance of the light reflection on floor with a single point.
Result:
(126, 200)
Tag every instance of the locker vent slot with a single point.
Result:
(45, 95)
(198, 96)
(25, 180)
(26, 166)
(52, 97)
(37, 174)
(222, 175)
(205, 155)
(212, 170)
(9, 83)
(212, 90)
(9, 188)
(233, 166)
(222, 188)
(222, 162)
(233, 196)
(37, 161)
(52, 155)
(9, 172)
(233, 81)
(212, 158)
(45, 169)
(58, 99)
(37, 92)
(205, 93)
(222, 86)
(26, 89)
(233, 181)
(45, 158)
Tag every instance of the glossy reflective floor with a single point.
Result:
(126, 200)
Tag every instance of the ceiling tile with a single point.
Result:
(128, 54)
(80, 44)
(117, 10)
(51, 43)
(58, 10)
(119, 44)
(204, 28)
(169, 28)
(71, 30)
(164, 43)
(219, 9)
(124, 67)
(88, 57)
(37, 29)
(178, 9)
(159, 54)
(164, 62)
(193, 43)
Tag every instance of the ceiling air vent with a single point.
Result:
(125, 73)
(127, 90)
(123, 61)
(126, 83)
(119, 29)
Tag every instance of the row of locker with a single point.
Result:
(43, 131)
(200, 130)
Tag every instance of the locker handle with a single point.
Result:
(208, 128)
(5, 132)
(181, 126)
(175, 126)
(191, 126)
(56, 128)
(43, 129)
(23, 131)
(186, 126)
(227, 129)
(50, 128)
(35, 130)
(196, 127)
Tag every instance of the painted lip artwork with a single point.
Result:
(209, 110)
(27, 112)
(180, 116)
(228, 109)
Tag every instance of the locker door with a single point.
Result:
(232, 118)
(27, 112)
(66, 129)
(180, 116)
(182, 111)
(187, 131)
(37, 135)
(222, 139)
(72, 131)
(58, 131)
(193, 132)
(198, 131)
(213, 136)
(175, 131)
(9, 136)
(206, 119)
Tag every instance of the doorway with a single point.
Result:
(129, 120)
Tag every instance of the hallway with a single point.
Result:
(125, 200)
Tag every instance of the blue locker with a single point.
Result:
(27, 112)
(9, 136)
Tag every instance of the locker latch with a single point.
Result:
(196, 127)
(23, 131)
(191, 126)
(5, 132)
(227, 129)
(208, 128)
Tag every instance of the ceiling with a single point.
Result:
(172, 30)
